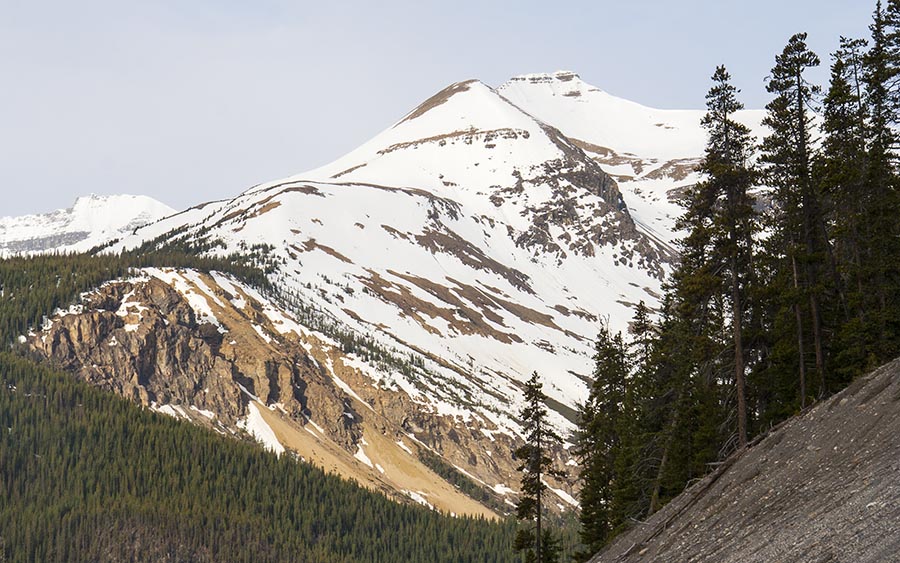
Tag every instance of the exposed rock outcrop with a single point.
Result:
(142, 340)
(210, 350)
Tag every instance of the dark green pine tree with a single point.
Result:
(681, 409)
(644, 333)
(599, 441)
(537, 541)
(662, 387)
(841, 169)
(798, 244)
(729, 178)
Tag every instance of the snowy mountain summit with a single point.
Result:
(470, 233)
(91, 221)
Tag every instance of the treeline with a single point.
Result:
(787, 289)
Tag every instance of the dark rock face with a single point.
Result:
(823, 487)
(584, 204)
(158, 352)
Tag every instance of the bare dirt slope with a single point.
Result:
(824, 487)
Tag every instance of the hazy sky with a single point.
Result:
(189, 101)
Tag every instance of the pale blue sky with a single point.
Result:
(189, 101)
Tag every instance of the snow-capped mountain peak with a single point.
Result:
(467, 137)
(560, 83)
(91, 221)
(470, 233)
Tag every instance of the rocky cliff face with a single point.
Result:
(141, 339)
(822, 487)
(213, 351)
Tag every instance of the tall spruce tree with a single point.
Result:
(664, 386)
(841, 170)
(644, 334)
(798, 242)
(599, 442)
(537, 541)
(882, 213)
(729, 178)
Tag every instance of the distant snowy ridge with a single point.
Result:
(91, 221)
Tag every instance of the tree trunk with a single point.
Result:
(799, 318)
(737, 313)
(811, 222)
(670, 438)
(817, 341)
(539, 487)
(657, 483)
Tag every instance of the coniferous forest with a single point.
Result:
(787, 288)
(87, 476)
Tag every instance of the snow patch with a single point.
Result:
(419, 497)
(262, 334)
(569, 499)
(361, 455)
(208, 414)
(502, 489)
(183, 282)
(175, 411)
(256, 425)
(344, 387)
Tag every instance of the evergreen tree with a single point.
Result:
(881, 199)
(841, 170)
(644, 332)
(734, 222)
(645, 432)
(537, 541)
(798, 244)
(598, 442)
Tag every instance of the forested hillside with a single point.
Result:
(88, 476)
